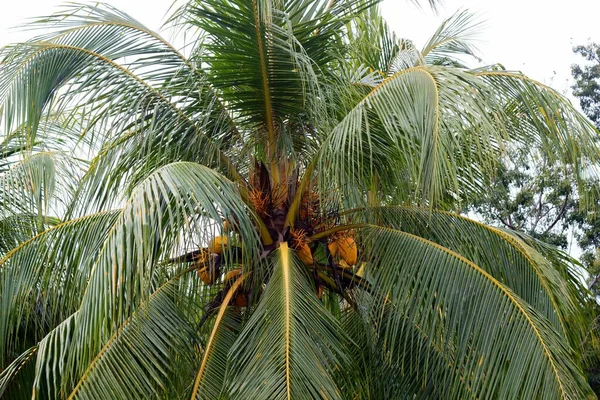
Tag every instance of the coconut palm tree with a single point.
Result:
(268, 213)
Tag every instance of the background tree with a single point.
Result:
(265, 214)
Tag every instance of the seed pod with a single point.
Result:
(305, 255)
(217, 244)
(347, 249)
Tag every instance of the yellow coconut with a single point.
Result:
(233, 274)
(333, 248)
(216, 244)
(347, 249)
(205, 275)
(305, 255)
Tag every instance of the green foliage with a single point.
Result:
(263, 214)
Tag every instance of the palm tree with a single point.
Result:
(268, 213)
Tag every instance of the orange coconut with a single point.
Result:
(205, 275)
(347, 249)
(216, 244)
(305, 255)
(333, 248)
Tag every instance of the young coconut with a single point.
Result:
(217, 244)
(347, 249)
(206, 276)
(305, 255)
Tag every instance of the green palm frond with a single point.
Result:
(145, 356)
(469, 314)
(452, 40)
(43, 279)
(210, 379)
(8, 375)
(413, 119)
(291, 344)
(161, 219)
(509, 260)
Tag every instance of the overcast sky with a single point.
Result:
(534, 36)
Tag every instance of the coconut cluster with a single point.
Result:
(209, 261)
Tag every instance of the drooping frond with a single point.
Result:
(145, 357)
(413, 130)
(537, 115)
(9, 384)
(122, 77)
(210, 379)
(506, 258)
(178, 208)
(43, 279)
(501, 346)
(291, 344)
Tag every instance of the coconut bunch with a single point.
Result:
(329, 254)
(210, 262)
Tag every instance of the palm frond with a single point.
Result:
(178, 208)
(413, 130)
(43, 279)
(8, 375)
(210, 379)
(543, 285)
(291, 344)
(453, 40)
(145, 357)
(500, 345)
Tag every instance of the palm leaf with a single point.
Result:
(290, 345)
(509, 260)
(502, 347)
(145, 357)
(43, 279)
(209, 382)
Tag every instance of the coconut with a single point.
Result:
(333, 248)
(347, 249)
(305, 255)
(216, 244)
(205, 275)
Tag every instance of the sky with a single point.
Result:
(533, 36)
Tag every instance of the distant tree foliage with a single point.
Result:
(587, 81)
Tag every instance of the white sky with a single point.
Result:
(534, 36)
